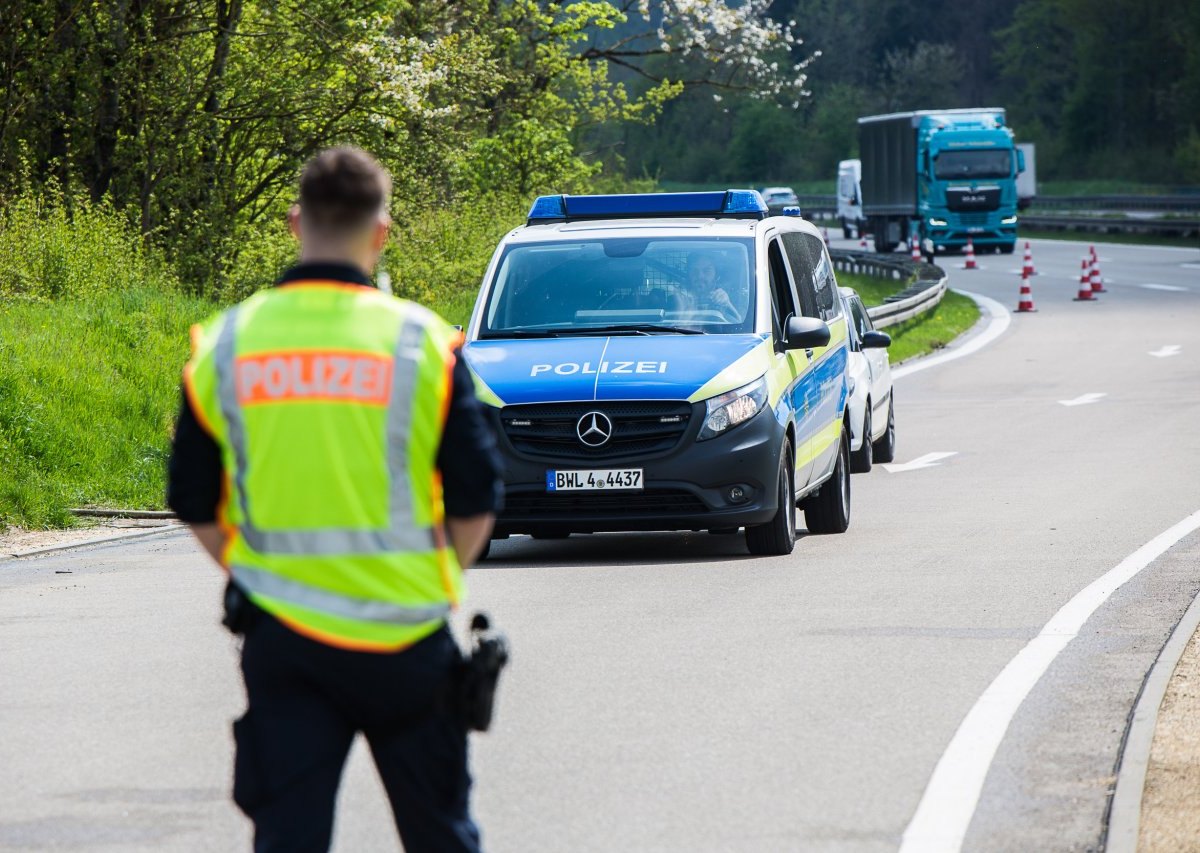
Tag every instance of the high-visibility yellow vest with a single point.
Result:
(328, 402)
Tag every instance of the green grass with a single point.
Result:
(1091, 237)
(920, 335)
(933, 330)
(88, 396)
(93, 335)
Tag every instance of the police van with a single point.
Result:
(666, 361)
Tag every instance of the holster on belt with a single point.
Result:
(480, 673)
(240, 611)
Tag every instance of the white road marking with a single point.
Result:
(1084, 399)
(1191, 266)
(1172, 288)
(942, 817)
(1166, 351)
(929, 460)
(998, 320)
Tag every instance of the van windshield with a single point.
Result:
(951, 165)
(655, 285)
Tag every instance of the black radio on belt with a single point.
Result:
(481, 673)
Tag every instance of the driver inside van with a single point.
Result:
(708, 289)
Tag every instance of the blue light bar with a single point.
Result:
(548, 208)
(791, 211)
(730, 204)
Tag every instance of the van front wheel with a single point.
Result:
(778, 536)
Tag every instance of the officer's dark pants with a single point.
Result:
(307, 701)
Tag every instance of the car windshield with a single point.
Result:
(951, 165)
(624, 286)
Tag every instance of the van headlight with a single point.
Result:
(727, 410)
(937, 223)
(1009, 220)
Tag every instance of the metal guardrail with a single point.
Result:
(810, 204)
(924, 293)
(1177, 202)
(1112, 225)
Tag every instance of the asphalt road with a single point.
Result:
(669, 692)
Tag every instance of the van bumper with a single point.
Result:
(691, 487)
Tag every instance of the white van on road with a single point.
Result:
(849, 198)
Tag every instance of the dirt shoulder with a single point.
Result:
(1170, 819)
(18, 542)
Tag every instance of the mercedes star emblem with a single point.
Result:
(594, 429)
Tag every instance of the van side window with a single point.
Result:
(813, 273)
(783, 304)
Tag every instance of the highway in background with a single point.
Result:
(669, 692)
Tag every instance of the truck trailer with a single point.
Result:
(941, 175)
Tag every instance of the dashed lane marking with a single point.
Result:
(1084, 399)
(929, 460)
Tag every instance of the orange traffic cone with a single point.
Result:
(970, 262)
(1096, 281)
(916, 250)
(1085, 282)
(1025, 301)
(1027, 267)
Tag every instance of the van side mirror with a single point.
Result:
(875, 339)
(805, 333)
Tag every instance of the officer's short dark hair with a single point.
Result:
(342, 190)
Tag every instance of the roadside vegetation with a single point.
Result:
(94, 332)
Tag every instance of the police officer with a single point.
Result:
(709, 292)
(331, 456)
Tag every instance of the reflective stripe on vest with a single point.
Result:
(403, 532)
(262, 582)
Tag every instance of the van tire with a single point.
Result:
(828, 511)
(777, 537)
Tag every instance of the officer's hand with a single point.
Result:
(721, 301)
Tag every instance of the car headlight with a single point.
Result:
(727, 410)
(1009, 220)
(937, 223)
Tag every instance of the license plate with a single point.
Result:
(623, 479)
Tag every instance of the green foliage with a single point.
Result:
(925, 77)
(88, 395)
(93, 334)
(437, 257)
(65, 247)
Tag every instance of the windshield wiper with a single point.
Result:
(630, 329)
(501, 334)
